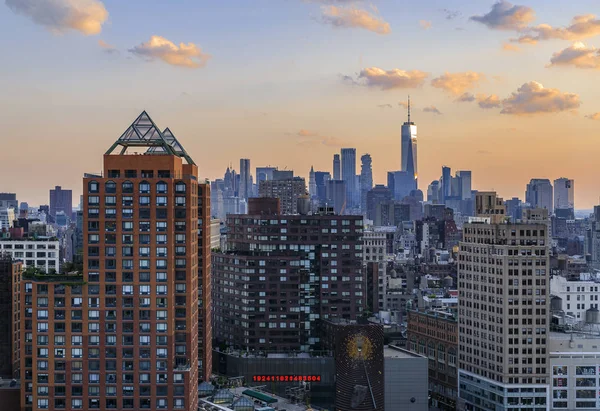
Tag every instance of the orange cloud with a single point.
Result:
(392, 79)
(432, 109)
(491, 101)
(595, 116)
(533, 98)
(184, 55)
(457, 83)
(85, 16)
(425, 24)
(510, 47)
(312, 138)
(581, 27)
(354, 18)
(578, 55)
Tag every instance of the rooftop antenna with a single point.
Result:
(409, 108)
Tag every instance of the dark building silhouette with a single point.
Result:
(61, 200)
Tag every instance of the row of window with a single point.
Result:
(143, 264)
(94, 340)
(128, 187)
(161, 403)
(127, 201)
(142, 238)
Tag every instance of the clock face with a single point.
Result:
(359, 347)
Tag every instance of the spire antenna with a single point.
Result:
(409, 109)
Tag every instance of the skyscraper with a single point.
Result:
(336, 167)
(464, 184)
(287, 191)
(349, 175)
(409, 148)
(336, 195)
(145, 264)
(564, 193)
(321, 179)
(312, 183)
(61, 200)
(446, 184)
(366, 181)
(504, 310)
(539, 194)
(245, 179)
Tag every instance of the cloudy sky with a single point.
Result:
(510, 91)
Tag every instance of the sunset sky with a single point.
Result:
(509, 91)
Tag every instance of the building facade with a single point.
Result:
(434, 335)
(564, 193)
(42, 253)
(287, 191)
(281, 274)
(348, 156)
(504, 310)
(124, 334)
(61, 200)
(539, 194)
(409, 149)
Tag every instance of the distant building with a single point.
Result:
(408, 142)
(321, 179)
(287, 191)
(336, 195)
(539, 194)
(264, 174)
(41, 253)
(349, 175)
(61, 200)
(9, 200)
(7, 218)
(366, 181)
(377, 195)
(245, 191)
(337, 167)
(564, 194)
(401, 183)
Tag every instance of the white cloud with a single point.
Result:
(505, 16)
(391, 79)
(350, 17)
(457, 83)
(59, 16)
(184, 55)
(578, 55)
(533, 98)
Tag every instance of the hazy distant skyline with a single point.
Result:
(509, 91)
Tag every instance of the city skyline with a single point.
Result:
(100, 68)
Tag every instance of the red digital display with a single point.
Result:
(286, 378)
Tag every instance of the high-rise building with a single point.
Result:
(349, 175)
(264, 173)
(290, 280)
(464, 184)
(433, 192)
(312, 183)
(7, 218)
(409, 148)
(337, 174)
(366, 180)
(336, 195)
(539, 194)
(146, 260)
(504, 311)
(400, 183)
(564, 193)
(375, 196)
(9, 335)
(245, 179)
(61, 200)
(446, 183)
(9, 200)
(287, 191)
(321, 179)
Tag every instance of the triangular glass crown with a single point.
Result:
(144, 133)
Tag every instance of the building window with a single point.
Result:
(161, 187)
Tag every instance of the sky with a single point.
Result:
(509, 91)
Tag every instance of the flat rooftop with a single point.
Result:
(391, 351)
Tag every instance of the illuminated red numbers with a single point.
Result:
(286, 378)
